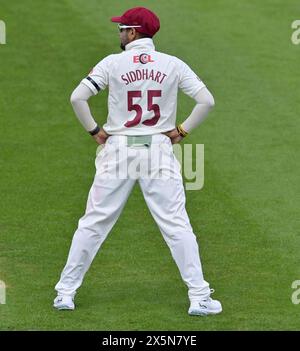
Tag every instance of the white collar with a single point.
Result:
(144, 43)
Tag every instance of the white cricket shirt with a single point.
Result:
(143, 86)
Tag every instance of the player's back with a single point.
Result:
(143, 85)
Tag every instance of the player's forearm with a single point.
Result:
(81, 108)
(205, 103)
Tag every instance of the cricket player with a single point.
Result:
(141, 126)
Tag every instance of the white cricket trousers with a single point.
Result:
(118, 167)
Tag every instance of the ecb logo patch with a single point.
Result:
(142, 58)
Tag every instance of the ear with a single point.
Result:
(133, 33)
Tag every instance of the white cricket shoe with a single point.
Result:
(64, 302)
(205, 307)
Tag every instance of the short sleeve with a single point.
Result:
(189, 82)
(97, 79)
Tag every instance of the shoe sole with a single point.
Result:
(203, 313)
(64, 307)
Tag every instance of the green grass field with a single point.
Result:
(247, 215)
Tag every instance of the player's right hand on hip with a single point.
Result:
(101, 137)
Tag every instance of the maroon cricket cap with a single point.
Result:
(141, 16)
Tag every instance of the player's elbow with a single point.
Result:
(73, 98)
(204, 97)
(209, 100)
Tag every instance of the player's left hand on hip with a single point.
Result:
(101, 137)
(174, 136)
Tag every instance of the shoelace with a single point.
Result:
(208, 297)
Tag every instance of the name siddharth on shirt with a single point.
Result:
(143, 74)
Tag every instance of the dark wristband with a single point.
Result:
(95, 131)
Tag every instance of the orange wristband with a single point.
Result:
(181, 131)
